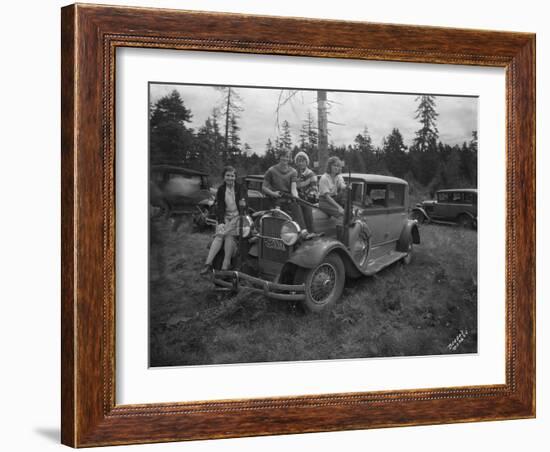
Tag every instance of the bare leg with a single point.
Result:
(229, 249)
(214, 248)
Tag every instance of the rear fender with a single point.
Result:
(467, 213)
(409, 233)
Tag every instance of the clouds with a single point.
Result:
(349, 113)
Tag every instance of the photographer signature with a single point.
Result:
(455, 343)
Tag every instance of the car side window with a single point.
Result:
(396, 195)
(376, 195)
(443, 197)
(357, 192)
(456, 197)
(469, 198)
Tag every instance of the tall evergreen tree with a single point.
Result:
(285, 137)
(396, 159)
(208, 146)
(171, 140)
(270, 157)
(473, 141)
(427, 135)
(308, 136)
(450, 173)
(234, 151)
(424, 154)
(468, 160)
(363, 141)
(363, 145)
(230, 109)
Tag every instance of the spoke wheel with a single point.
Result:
(323, 281)
(324, 284)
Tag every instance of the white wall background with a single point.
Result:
(30, 225)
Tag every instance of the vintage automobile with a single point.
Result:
(205, 215)
(456, 206)
(276, 258)
(181, 191)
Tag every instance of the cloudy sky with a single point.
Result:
(349, 113)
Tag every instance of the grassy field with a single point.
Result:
(426, 308)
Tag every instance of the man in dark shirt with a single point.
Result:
(280, 185)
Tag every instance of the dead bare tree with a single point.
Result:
(230, 108)
(285, 96)
(322, 125)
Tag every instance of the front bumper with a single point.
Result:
(234, 280)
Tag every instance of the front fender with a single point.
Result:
(409, 233)
(420, 209)
(312, 252)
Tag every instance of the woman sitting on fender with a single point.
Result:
(229, 198)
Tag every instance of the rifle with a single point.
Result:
(286, 195)
(348, 208)
(241, 205)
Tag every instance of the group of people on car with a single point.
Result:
(286, 186)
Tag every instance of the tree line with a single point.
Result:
(427, 164)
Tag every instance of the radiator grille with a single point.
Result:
(273, 250)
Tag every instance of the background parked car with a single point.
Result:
(449, 206)
(180, 191)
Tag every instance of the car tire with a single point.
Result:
(418, 216)
(465, 221)
(324, 283)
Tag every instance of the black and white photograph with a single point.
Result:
(243, 226)
(310, 224)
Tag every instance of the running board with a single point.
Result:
(450, 223)
(375, 265)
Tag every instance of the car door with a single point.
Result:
(442, 207)
(375, 214)
(397, 213)
(456, 205)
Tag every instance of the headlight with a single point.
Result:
(290, 233)
(247, 226)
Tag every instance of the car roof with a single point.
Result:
(375, 178)
(177, 170)
(450, 190)
(372, 178)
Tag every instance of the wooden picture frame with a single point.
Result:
(90, 36)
